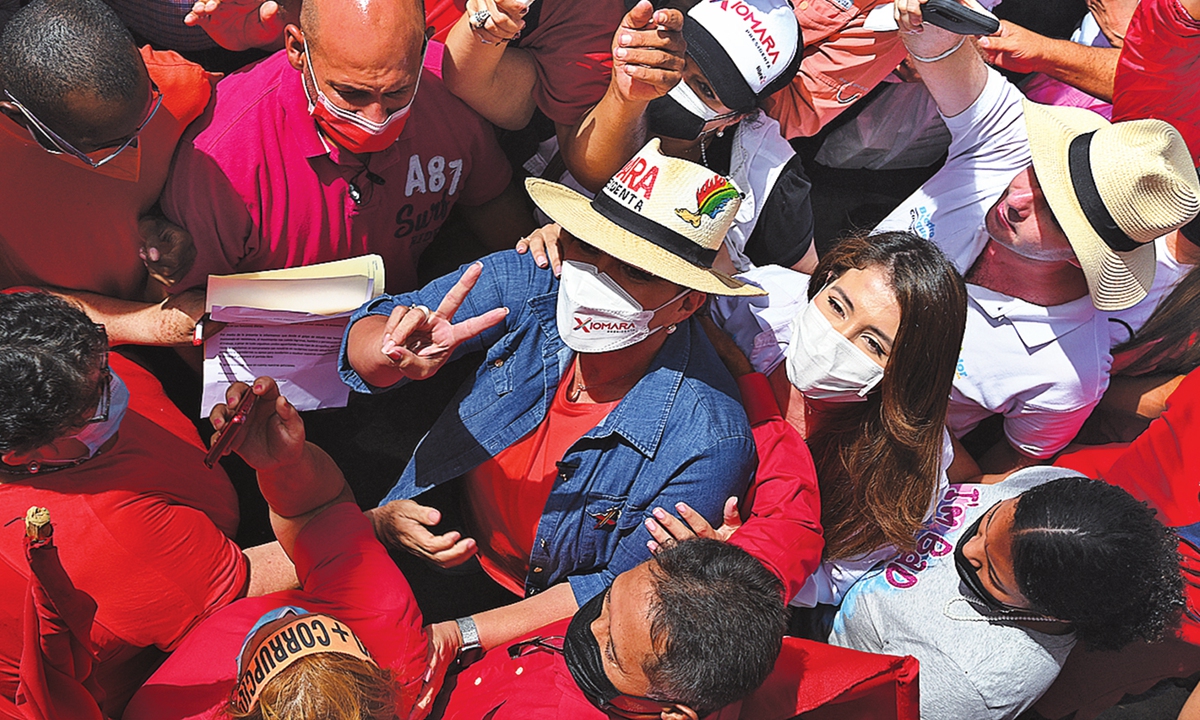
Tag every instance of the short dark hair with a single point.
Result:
(1089, 553)
(716, 621)
(49, 355)
(51, 48)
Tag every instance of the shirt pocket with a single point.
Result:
(498, 365)
(606, 519)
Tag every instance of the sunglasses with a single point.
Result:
(54, 144)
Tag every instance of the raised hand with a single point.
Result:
(274, 432)
(648, 50)
(404, 525)
(417, 341)
(167, 249)
(239, 24)
(502, 20)
(545, 244)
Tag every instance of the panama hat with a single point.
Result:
(661, 214)
(1114, 188)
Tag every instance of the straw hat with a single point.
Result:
(1114, 188)
(661, 214)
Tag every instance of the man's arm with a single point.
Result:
(480, 68)
(955, 80)
(1091, 69)
(131, 322)
(648, 52)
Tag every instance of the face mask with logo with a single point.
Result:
(349, 129)
(95, 435)
(823, 365)
(680, 114)
(596, 315)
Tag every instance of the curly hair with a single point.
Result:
(50, 354)
(1087, 552)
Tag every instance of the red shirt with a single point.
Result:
(258, 188)
(508, 492)
(69, 226)
(343, 572)
(571, 48)
(1159, 62)
(784, 527)
(143, 528)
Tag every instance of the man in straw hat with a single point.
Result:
(1040, 207)
(599, 397)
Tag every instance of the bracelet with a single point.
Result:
(471, 649)
(941, 56)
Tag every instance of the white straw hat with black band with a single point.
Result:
(1114, 188)
(664, 215)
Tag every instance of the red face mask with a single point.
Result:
(349, 129)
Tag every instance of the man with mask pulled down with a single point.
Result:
(598, 399)
(341, 144)
(88, 125)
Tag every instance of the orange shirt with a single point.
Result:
(66, 225)
(506, 495)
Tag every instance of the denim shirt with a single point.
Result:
(680, 434)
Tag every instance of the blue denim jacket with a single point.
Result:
(679, 434)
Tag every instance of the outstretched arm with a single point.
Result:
(955, 80)
(297, 479)
(1091, 69)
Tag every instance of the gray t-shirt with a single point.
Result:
(915, 605)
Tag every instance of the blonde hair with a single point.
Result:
(326, 686)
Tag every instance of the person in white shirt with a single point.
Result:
(1040, 207)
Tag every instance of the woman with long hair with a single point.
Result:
(860, 362)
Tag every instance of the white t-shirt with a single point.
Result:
(915, 605)
(762, 328)
(1043, 368)
(1168, 271)
(988, 149)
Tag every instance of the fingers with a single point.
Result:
(459, 553)
(393, 321)
(454, 299)
(468, 329)
(221, 411)
(639, 16)
(908, 15)
(678, 530)
(730, 514)
(695, 520)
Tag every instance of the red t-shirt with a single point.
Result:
(258, 188)
(571, 47)
(783, 529)
(66, 225)
(343, 572)
(144, 529)
(507, 493)
(1159, 62)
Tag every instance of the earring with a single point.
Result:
(721, 132)
(33, 467)
(671, 328)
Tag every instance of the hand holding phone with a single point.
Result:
(232, 429)
(958, 18)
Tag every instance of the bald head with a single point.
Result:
(364, 55)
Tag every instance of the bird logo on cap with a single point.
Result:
(711, 199)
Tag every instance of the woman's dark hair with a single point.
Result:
(1167, 342)
(1089, 553)
(716, 621)
(879, 461)
(50, 354)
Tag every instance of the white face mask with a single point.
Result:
(823, 365)
(596, 315)
(96, 434)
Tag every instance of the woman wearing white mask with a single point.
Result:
(598, 398)
(860, 358)
(738, 54)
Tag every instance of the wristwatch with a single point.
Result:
(471, 649)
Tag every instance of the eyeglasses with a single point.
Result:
(102, 407)
(54, 144)
(553, 643)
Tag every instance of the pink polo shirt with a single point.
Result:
(259, 189)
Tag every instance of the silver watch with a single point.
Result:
(471, 649)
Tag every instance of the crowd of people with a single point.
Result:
(685, 427)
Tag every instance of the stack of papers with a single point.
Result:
(287, 324)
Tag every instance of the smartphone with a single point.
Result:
(957, 18)
(232, 429)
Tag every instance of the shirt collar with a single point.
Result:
(1036, 325)
(641, 416)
